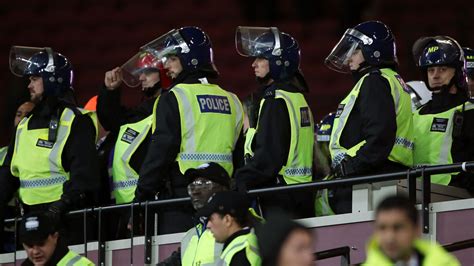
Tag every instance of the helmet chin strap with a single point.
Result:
(151, 91)
(443, 88)
(265, 80)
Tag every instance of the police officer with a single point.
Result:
(396, 239)
(52, 161)
(131, 126)
(196, 122)
(469, 56)
(231, 224)
(284, 138)
(372, 131)
(444, 131)
(43, 244)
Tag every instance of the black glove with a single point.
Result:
(344, 168)
(173, 260)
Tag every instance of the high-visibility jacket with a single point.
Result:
(247, 242)
(211, 121)
(402, 151)
(37, 162)
(433, 255)
(434, 139)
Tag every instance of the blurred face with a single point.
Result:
(173, 66)
(36, 89)
(220, 226)
(395, 233)
(261, 66)
(356, 59)
(149, 78)
(39, 254)
(23, 111)
(200, 190)
(439, 76)
(297, 250)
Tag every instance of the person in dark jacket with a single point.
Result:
(281, 144)
(196, 122)
(52, 160)
(43, 244)
(372, 131)
(129, 128)
(444, 131)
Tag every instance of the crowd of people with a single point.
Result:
(190, 137)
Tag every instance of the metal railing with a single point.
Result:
(410, 174)
(456, 246)
(344, 252)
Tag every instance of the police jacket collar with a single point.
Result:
(443, 101)
(244, 231)
(364, 69)
(269, 91)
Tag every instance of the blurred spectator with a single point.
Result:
(231, 223)
(373, 124)
(444, 131)
(43, 244)
(396, 239)
(282, 241)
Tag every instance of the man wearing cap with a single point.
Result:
(230, 223)
(198, 247)
(41, 241)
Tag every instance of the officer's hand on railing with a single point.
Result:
(113, 78)
(344, 168)
(173, 260)
(136, 221)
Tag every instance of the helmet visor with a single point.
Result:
(20, 59)
(171, 43)
(338, 59)
(254, 41)
(140, 63)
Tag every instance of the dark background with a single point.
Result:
(99, 35)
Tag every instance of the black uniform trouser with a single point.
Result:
(298, 204)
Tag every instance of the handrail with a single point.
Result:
(344, 252)
(413, 172)
(460, 245)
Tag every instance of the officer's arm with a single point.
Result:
(110, 112)
(162, 150)
(238, 152)
(379, 123)
(80, 159)
(272, 143)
